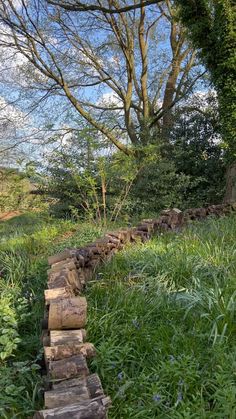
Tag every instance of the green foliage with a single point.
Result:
(213, 31)
(83, 184)
(15, 188)
(189, 172)
(162, 317)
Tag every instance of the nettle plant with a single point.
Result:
(9, 338)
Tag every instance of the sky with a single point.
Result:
(15, 79)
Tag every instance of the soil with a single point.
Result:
(4, 216)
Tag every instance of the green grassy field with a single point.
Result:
(162, 316)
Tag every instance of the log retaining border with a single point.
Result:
(74, 392)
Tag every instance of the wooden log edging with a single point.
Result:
(74, 392)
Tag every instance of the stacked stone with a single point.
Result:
(74, 393)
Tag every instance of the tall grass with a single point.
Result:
(162, 316)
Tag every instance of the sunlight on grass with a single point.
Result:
(162, 316)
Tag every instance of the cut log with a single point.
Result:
(86, 388)
(66, 254)
(94, 386)
(57, 294)
(57, 398)
(91, 409)
(59, 281)
(70, 313)
(64, 337)
(91, 381)
(64, 278)
(67, 264)
(75, 366)
(45, 338)
(54, 353)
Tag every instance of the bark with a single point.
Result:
(230, 193)
(70, 313)
(64, 337)
(54, 353)
(86, 388)
(57, 294)
(91, 409)
(75, 366)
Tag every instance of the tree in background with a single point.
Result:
(123, 73)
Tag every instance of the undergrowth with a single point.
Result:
(162, 316)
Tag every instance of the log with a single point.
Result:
(60, 265)
(86, 388)
(75, 366)
(66, 254)
(64, 337)
(57, 398)
(67, 264)
(57, 294)
(89, 409)
(70, 313)
(113, 240)
(64, 278)
(92, 381)
(58, 281)
(45, 338)
(54, 353)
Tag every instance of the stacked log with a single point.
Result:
(74, 392)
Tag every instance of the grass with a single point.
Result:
(162, 316)
(25, 243)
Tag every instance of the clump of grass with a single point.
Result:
(162, 316)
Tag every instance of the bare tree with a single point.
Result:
(118, 70)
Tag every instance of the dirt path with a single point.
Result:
(4, 216)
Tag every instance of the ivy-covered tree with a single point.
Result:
(212, 28)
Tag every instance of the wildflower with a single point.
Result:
(172, 358)
(156, 398)
(120, 376)
(136, 323)
(179, 397)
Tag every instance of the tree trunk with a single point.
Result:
(230, 192)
